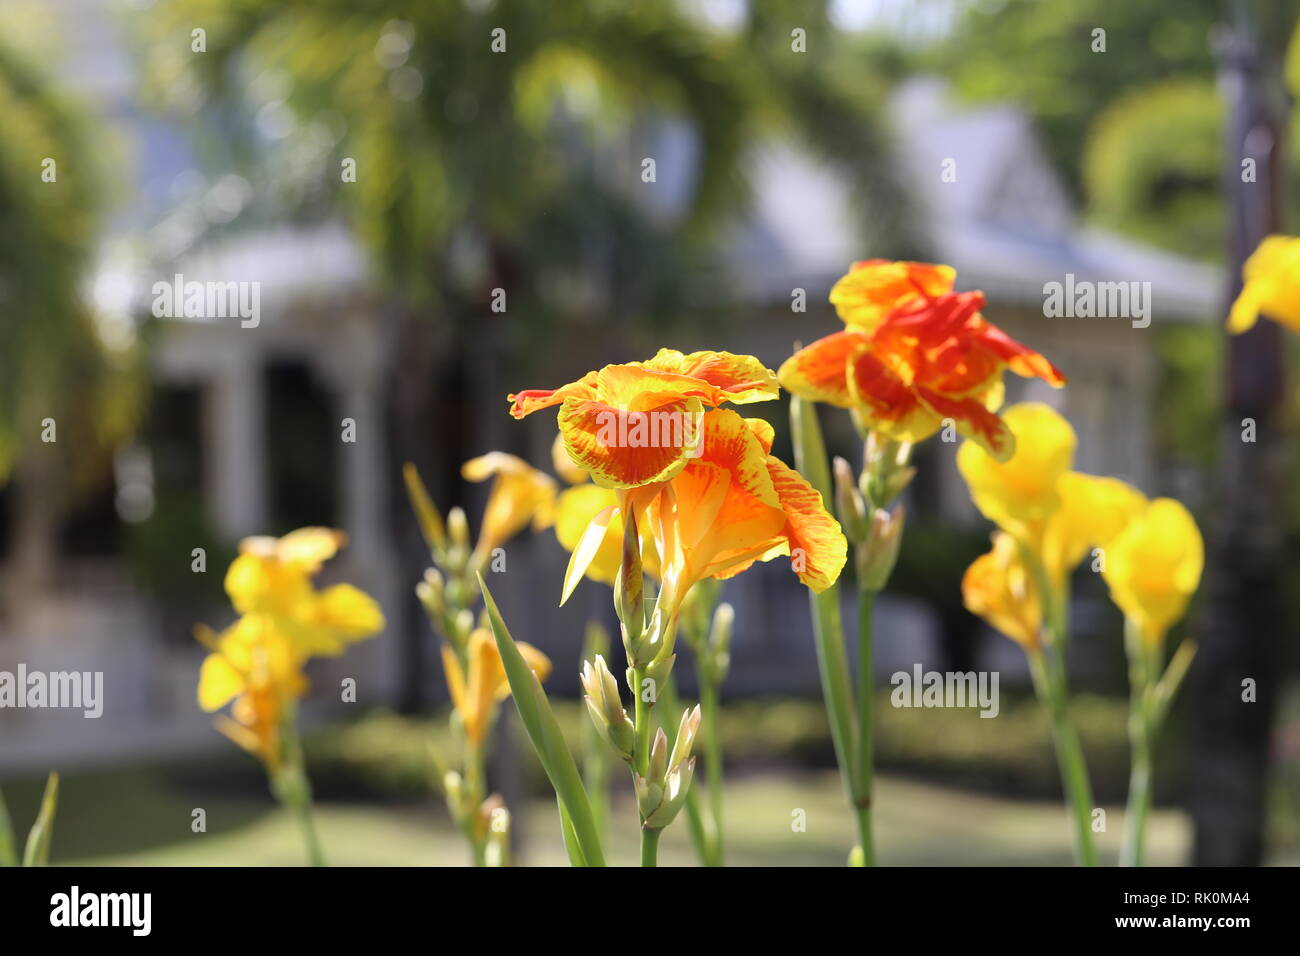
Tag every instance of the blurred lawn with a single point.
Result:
(143, 818)
(955, 790)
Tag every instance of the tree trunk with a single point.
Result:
(1243, 623)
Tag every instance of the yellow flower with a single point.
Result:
(563, 464)
(1092, 512)
(255, 666)
(476, 695)
(272, 577)
(1271, 284)
(520, 495)
(1154, 566)
(1000, 589)
(258, 661)
(1019, 494)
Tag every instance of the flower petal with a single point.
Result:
(875, 287)
(624, 447)
(819, 372)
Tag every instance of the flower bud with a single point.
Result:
(432, 592)
(879, 553)
(458, 532)
(606, 708)
(629, 585)
(848, 501)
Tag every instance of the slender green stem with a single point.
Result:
(1141, 730)
(641, 719)
(291, 785)
(828, 633)
(865, 759)
(650, 846)
(1139, 795)
(709, 710)
(1069, 756)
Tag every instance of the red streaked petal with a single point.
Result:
(818, 372)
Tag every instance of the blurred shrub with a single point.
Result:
(387, 755)
(1137, 184)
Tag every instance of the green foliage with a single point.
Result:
(55, 363)
(1040, 56)
(478, 168)
(1152, 167)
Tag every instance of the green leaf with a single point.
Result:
(38, 840)
(571, 846)
(8, 857)
(544, 732)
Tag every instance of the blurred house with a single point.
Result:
(247, 431)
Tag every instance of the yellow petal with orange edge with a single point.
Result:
(815, 541)
(738, 379)
(627, 446)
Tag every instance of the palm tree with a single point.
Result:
(501, 146)
(54, 366)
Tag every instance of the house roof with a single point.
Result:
(1004, 220)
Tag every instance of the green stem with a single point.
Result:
(709, 710)
(650, 847)
(865, 762)
(291, 785)
(1140, 734)
(641, 719)
(1139, 795)
(828, 633)
(1069, 757)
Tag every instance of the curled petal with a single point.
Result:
(534, 399)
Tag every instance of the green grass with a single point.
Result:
(143, 818)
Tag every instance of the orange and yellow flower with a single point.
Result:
(475, 695)
(637, 424)
(913, 354)
(999, 587)
(713, 506)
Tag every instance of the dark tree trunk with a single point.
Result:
(1243, 625)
